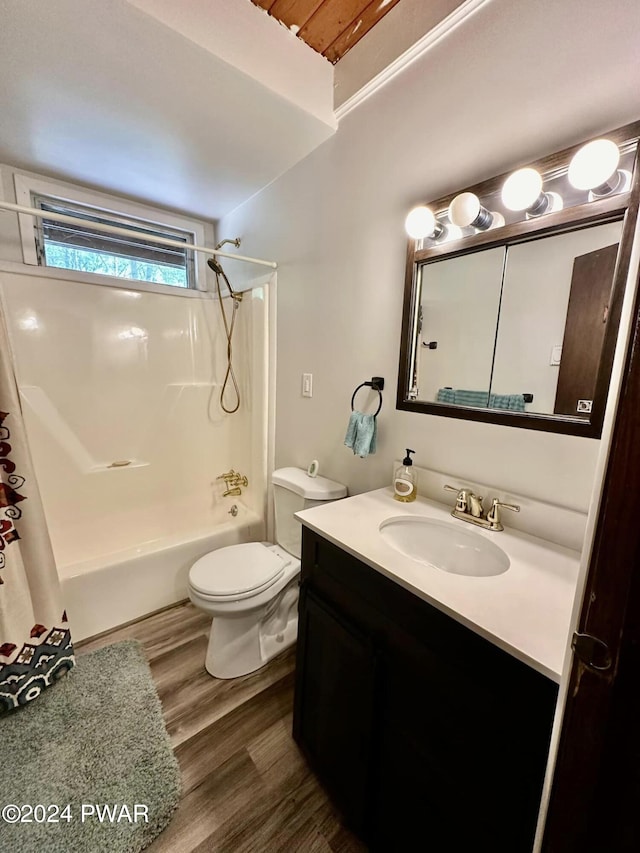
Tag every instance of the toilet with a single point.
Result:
(251, 590)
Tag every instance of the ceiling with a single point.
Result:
(105, 95)
(330, 27)
(190, 106)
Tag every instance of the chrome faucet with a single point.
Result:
(233, 481)
(469, 507)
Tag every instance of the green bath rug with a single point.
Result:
(88, 767)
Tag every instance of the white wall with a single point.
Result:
(520, 80)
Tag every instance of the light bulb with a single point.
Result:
(594, 165)
(421, 222)
(522, 189)
(465, 209)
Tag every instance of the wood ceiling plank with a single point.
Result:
(329, 20)
(357, 28)
(294, 13)
(264, 4)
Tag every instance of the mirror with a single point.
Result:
(524, 321)
(517, 324)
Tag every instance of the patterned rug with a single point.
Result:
(88, 767)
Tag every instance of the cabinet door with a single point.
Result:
(334, 704)
(461, 754)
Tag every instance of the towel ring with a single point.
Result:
(376, 387)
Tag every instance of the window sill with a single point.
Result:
(101, 280)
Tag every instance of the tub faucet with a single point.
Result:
(233, 481)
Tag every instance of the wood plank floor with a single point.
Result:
(246, 788)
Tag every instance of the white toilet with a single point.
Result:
(251, 590)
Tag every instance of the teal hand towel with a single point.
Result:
(446, 395)
(479, 399)
(509, 402)
(365, 443)
(361, 434)
(352, 428)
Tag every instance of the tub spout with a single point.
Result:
(232, 492)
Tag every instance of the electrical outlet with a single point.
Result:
(307, 384)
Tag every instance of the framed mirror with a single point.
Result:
(513, 318)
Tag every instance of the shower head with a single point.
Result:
(215, 266)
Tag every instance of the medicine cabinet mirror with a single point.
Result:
(515, 322)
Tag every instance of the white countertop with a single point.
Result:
(526, 610)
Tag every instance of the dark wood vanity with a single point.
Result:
(426, 735)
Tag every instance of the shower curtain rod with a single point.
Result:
(128, 232)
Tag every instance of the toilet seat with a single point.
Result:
(237, 571)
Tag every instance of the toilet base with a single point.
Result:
(239, 645)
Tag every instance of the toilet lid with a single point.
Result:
(236, 569)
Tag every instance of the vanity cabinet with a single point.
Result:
(423, 732)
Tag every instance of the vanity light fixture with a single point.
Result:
(523, 191)
(466, 210)
(594, 167)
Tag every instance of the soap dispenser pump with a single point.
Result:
(404, 480)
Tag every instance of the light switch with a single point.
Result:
(556, 355)
(307, 384)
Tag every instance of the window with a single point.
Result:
(133, 260)
(85, 248)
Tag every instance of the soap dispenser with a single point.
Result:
(404, 480)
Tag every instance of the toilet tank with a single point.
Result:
(294, 490)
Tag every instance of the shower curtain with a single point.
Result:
(35, 642)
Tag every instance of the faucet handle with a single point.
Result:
(493, 516)
(462, 501)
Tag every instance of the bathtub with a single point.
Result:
(129, 566)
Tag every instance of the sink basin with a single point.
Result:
(444, 545)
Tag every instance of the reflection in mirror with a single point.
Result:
(458, 315)
(517, 328)
(553, 314)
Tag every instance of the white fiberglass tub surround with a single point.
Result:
(110, 375)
